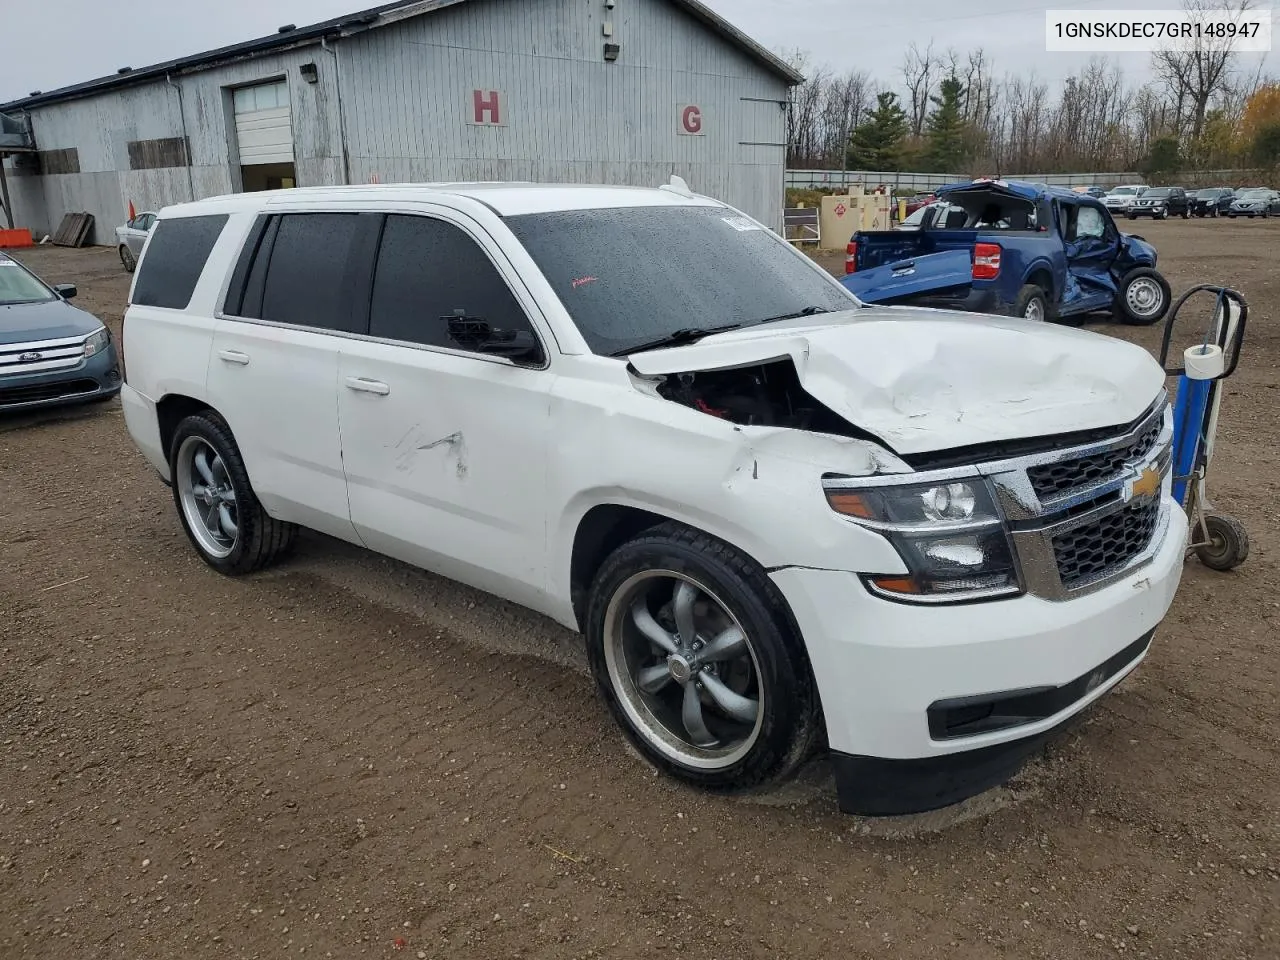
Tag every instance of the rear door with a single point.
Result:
(300, 286)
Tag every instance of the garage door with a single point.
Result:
(263, 130)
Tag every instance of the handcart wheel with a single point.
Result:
(1228, 545)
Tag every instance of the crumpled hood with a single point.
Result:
(927, 380)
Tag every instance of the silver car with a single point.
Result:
(131, 237)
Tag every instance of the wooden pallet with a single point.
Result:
(74, 230)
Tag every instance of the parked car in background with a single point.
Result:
(131, 237)
(1012, 248)
(51, 353)
(919, 200)
(939, 212)
(1255, 202)
(1160, 203)
(1119, 199)
(921, 540)
(1211, 201)
(1096, 192)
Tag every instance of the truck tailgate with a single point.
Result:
(913, 277)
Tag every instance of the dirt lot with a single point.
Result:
(347, 757)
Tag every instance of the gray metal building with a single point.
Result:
(600, 91)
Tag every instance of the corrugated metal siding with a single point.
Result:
(101, 128)
(567, 115)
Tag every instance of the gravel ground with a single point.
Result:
(348, 757)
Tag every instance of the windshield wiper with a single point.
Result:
(806, 312)
(677, 338)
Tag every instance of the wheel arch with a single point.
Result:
(1041, 274)
(601, 526)
(171, 410)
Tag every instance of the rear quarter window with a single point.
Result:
(174, 260)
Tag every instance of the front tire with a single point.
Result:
(1142, 297)
(127, 259)
(697, 658)
(217, 506)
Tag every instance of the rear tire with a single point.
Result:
(217, 506)
(1032, 304)
(1142, 298)
(744, 717)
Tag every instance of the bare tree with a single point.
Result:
(919, 73)
(1194, 73)
(845, 102)
(804, 112)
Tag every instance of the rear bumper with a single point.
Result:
(143, 424)
(972, 300)
(95, 378)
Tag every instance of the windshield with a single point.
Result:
(633, 275)
(19, 286)
(1124, 191)
(1256, 194)
(1211, 194)
(1157, 193)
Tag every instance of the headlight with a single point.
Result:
(97, 342)
(950, 536)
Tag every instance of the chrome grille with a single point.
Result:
(41, 356)
(1095, 550)
(1053, 480)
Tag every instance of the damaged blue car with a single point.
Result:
(1012, 248)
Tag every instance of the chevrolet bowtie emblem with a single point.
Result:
(1146, 484)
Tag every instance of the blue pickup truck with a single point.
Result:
(1012, 248)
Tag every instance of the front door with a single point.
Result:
(135, 233)
(1091, 243)
(445, 448)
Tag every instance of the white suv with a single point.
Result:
(1121, 199)
(781, 518)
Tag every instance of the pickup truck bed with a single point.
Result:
(1021, 249)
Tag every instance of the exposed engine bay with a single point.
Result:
(762, 395)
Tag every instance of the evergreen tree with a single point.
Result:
(946, 135)
(876, 143)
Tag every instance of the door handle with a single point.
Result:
(233, 356)
(361, 385)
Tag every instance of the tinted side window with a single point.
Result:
(313, 272)
(429, 271)
(174, 260)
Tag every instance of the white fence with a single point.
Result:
(901, 182)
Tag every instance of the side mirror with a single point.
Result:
(65, 290)
(474, 333)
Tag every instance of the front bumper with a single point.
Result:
(1153, 212)
(881, 665)
(95, 378)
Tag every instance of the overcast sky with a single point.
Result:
(46, 44)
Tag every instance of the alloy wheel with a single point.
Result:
(208, 497)
(684, 670)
